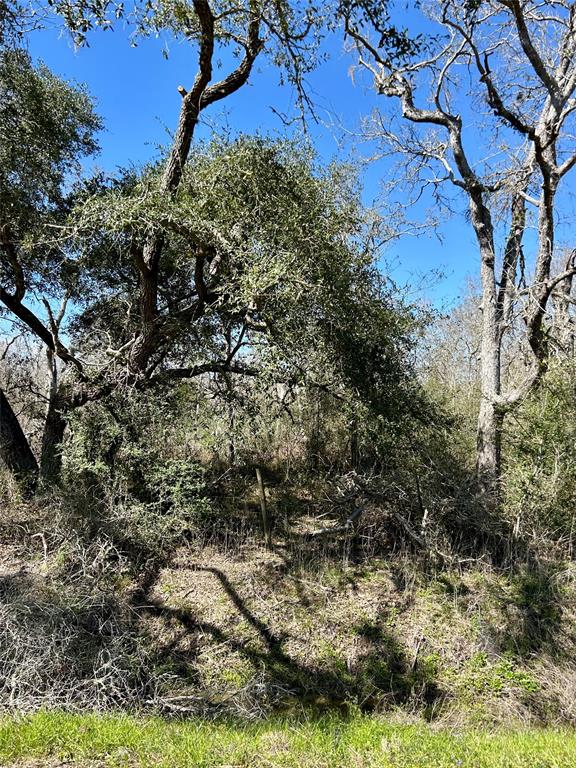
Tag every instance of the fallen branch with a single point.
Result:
(340, 528)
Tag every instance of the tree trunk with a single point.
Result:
(54, 428)
(489, 420)
(52, 439)
(489, 445)
(266, 523)
(15, 449)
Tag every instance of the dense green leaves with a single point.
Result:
(46, 127)
(286, 258)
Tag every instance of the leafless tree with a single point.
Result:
(487, 109)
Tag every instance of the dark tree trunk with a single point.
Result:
(52, 439)
(15, 449)
(54, 428)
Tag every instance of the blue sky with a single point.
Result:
(135, 89)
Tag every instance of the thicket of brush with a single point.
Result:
(146, 580)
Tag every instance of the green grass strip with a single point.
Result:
(327, 742)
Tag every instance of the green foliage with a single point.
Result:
(125, 482)
(290, 32)
(10, 21)
(333, 742)
(540, 470)
(46, 127)
(484, 676)
(295, 277)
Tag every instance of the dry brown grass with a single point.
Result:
(240, 630)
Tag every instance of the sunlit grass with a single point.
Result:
(328, 742)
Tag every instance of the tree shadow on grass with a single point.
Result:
(381, 676)
(531, 612)
(384, 672)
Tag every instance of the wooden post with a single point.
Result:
(264, 508)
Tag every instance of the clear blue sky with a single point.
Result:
(135, 89)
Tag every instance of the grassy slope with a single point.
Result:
(327, 742)
(466, 647)
(247, 632)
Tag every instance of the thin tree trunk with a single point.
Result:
(490, 418)
(266, 527)
(52, 440)
(15, 449)
(54, 429)
(488, 446)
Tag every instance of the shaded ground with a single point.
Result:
(380, 634)
(247, 632)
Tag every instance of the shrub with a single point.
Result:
(540, 472)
